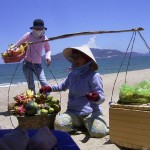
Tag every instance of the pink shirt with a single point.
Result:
(34, 51)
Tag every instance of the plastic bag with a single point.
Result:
(137, 94)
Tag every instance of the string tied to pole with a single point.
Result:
(132, 40)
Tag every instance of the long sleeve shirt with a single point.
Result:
(34, 51)
(80, 83)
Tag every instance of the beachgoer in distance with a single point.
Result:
(85, 94)
(32, 60)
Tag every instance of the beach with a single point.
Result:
(83, 141)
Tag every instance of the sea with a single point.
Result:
(12, 74)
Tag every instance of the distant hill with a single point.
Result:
(58, 56)
(103, 53)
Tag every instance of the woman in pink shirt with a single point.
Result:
(33, 58)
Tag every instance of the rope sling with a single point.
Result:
(131, 42)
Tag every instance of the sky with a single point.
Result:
(70, 16)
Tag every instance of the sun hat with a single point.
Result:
(38, 24)
(67, 52)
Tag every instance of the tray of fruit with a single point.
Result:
(34, 111)
(14, 54)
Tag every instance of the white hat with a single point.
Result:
(67, 52)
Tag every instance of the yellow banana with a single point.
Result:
(22, 49)
(29, 93)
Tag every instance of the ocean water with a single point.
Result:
(12, 73)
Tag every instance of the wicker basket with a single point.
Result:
(12, 59)
(33, 122)
(130, 125)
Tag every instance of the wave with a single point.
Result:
(25, 83)
(8, 84)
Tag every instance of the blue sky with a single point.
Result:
(69, 16)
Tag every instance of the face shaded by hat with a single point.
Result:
(83, 51)
(77, 54)
(38, 24)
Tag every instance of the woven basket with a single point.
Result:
(130, 125)
(33, 122)
(12, 59)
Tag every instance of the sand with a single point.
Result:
(82, 140)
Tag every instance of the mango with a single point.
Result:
(51, 110)
(49, 98)
(56, 107)
(44, 111)
(53, 101)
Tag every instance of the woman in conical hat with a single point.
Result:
(87, 54)
(85, 94)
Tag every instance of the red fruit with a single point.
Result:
(20, 98)
(17, 97)
(10, 52)
(20, 110)
(23, 96)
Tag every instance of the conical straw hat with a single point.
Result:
(67, 52)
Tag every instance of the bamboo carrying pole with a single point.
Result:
(87, 33)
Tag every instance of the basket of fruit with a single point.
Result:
(14, 54)
(34, 111)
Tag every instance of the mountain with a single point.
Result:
(58, 56)
(104, 53)
(109, 53)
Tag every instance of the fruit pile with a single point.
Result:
(136, 94)
(29, 104)
(14, 51)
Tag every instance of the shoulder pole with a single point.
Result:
(87, 33)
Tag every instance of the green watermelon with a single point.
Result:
(31, 108)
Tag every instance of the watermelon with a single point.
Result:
(31, 108)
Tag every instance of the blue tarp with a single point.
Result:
(65, 142)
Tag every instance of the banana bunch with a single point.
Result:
(29, 93)
(40, 98)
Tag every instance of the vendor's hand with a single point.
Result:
(48, 62)
(93, 96)
(45, 89)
